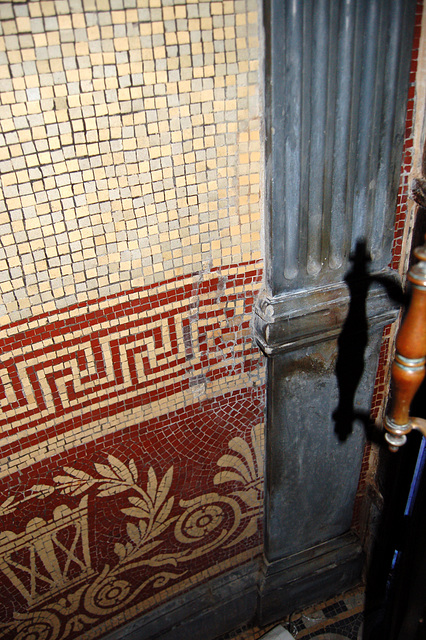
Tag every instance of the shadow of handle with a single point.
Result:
(408, 369)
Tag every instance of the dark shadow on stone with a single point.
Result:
(353, 340)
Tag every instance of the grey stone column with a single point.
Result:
(336, 79)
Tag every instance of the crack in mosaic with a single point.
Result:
(128, 354)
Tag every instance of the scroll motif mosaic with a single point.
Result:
(49, 562)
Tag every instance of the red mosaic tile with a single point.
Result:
(135, 426)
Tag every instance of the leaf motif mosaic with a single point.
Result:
(49, 563)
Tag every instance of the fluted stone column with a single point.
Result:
(336, 79)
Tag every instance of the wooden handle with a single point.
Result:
(408, 369)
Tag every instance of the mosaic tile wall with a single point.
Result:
(132, 396)
(129, 146)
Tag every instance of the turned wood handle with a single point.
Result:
(408, 369)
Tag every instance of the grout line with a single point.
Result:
(326, 622)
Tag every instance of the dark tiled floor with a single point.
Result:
(344, 629)
(337, 619)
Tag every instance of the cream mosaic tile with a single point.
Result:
(129, 145)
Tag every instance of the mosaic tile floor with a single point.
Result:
(340, 618)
